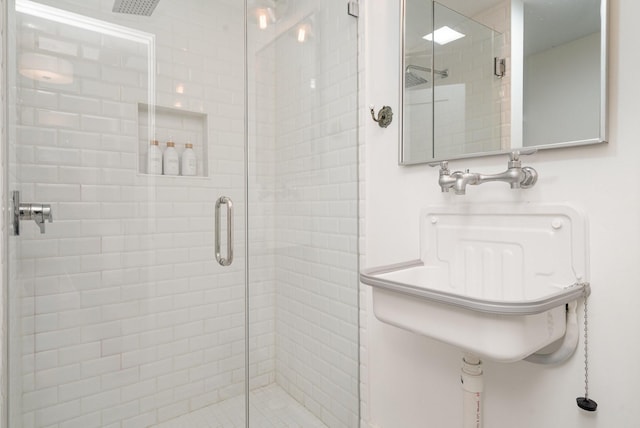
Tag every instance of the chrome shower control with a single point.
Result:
(34, 211)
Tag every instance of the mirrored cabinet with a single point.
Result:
(491, 76)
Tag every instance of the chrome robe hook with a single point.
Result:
(385, 116)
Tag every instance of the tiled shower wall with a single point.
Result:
(125, 318)
(498, 18)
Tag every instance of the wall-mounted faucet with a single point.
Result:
(516, 175)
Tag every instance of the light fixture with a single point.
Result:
(262, 20)
(443, 35)
(303, 30)
(46, 68)
(268, 12)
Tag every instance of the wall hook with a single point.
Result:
(385, 116)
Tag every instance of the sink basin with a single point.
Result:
(493, 280)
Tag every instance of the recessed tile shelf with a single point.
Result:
(181, 126)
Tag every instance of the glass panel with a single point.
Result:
(303, 284)
(564, 39)
(119, 313)
(417, 92)
(468, 103)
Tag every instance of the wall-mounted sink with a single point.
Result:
(492, 280)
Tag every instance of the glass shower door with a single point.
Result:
(303, 211)
(119, 313)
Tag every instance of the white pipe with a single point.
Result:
(569, 343)
(472, 386)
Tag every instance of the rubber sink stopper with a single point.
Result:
(587, 404)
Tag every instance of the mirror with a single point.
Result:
(497, 75)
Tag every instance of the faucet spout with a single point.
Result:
(463, 179)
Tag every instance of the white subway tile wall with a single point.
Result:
(498, 17)
(122, 317)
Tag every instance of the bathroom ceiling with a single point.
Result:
(556, 21)
(470, 8)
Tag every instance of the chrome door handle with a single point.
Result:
(229, 203)
(33, 211)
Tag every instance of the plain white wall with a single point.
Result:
(562, 106)
(413, 381)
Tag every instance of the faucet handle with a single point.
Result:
(514, 160)
(530, 177)
(444, 168)
(514, 157)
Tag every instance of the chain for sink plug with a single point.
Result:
(585, 403)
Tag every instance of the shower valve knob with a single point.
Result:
(39, 213)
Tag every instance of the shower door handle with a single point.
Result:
(224, 200)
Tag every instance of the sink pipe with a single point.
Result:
(472, 386)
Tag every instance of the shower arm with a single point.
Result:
(442, 73)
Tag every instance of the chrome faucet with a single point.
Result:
(516, 175)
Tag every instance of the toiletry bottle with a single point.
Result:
(171, 159)
(189, 161)
(154, 158)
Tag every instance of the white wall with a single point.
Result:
(413, 381)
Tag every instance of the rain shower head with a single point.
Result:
(135, 7)
(411, 79)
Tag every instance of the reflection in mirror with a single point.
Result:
(417, 111)
(467, 104)
(457, 102)
(561, 82)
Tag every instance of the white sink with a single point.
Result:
(492, 280)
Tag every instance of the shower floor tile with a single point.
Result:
(270, 407)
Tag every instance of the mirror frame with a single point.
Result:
(604, 101)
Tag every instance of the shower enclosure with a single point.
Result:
(228, 298)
